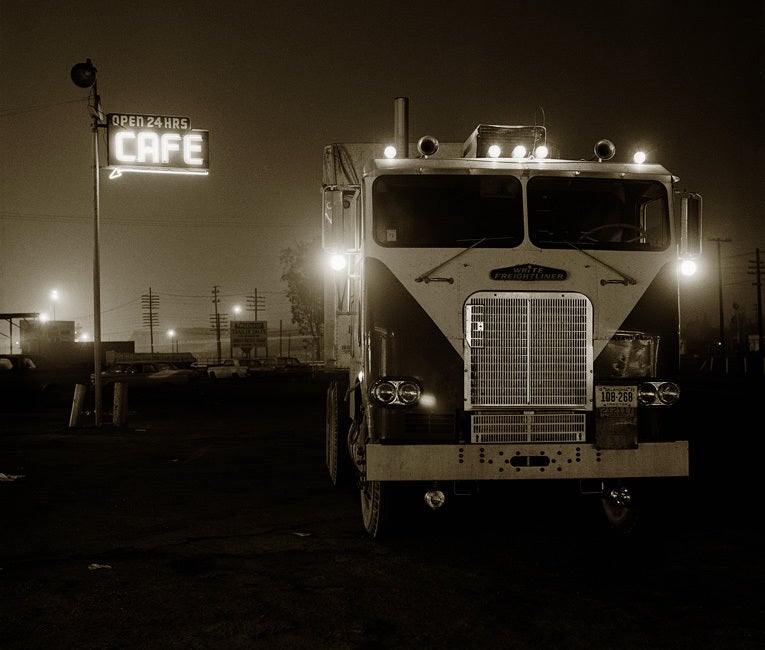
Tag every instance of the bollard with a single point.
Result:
(77, 401)
(119, 416)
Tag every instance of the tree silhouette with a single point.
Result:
(303, 273)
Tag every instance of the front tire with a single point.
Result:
(378, 506)
(335, 430)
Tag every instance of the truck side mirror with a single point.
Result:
(340, 223)
(690, 224)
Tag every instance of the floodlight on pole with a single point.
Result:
(54, 298)
(84, 76)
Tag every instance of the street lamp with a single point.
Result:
(173, 341)
(54, 298)
(84, 76)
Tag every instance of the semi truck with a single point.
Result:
(497, 313)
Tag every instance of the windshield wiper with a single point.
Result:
(626, 279)
(425, 277)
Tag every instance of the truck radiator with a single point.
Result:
(527, 427)
(528, 350)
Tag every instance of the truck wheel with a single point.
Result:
(335, 430)
(377, 508)
(620, 507)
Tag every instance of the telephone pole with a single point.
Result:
(256, 303)
(216, 320)
(719, 241)
(755, 269)
(150, 305)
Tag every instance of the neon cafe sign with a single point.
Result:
(158, 144)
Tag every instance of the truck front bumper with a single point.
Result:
(471, 462)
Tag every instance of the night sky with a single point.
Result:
(275, 82)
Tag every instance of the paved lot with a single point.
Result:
(210, 523)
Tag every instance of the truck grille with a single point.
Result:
(527, 427)
(530, 350)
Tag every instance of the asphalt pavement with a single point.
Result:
(208, 521)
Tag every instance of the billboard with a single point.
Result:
(251, 333)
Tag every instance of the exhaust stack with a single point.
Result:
(401, 127)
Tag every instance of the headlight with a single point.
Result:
(658, 393)
(668, 392)
(400, 391)
(646, 394)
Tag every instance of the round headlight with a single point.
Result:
(669, 392)
(384, 392)
(408, 392)
(646, 394)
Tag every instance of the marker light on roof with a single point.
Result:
(519, 151)
(390, 151)
(639, 157)
(541, 151)
(494, 151)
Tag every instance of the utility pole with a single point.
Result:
(150, 306)
(216, 320)
(255, 303)
(756, 270)
(719, 241)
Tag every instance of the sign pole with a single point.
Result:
(96, 263)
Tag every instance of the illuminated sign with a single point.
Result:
(156, 143)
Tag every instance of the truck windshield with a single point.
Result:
(448, 211)
(598, 213)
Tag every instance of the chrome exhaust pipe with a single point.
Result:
(401, 127)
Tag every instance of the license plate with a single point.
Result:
(608, 396)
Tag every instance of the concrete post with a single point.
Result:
(77, 401)
(119, 417)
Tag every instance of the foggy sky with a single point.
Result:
(275, 82)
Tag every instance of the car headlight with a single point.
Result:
(396, 391)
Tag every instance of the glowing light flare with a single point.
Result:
(541, 151)
(519, 151)
(427, 400)
(118, 171)
(390, 151)
(688, 267)
(639, 157)
(494, 151)
(338, 262)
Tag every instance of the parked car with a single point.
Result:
(227, 369)
(25, 377)
(270, 366)
(147, 373)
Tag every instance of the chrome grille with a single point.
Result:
(528, 350)
(527, 427)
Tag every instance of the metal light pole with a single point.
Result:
(84, 76)
(720, 293)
